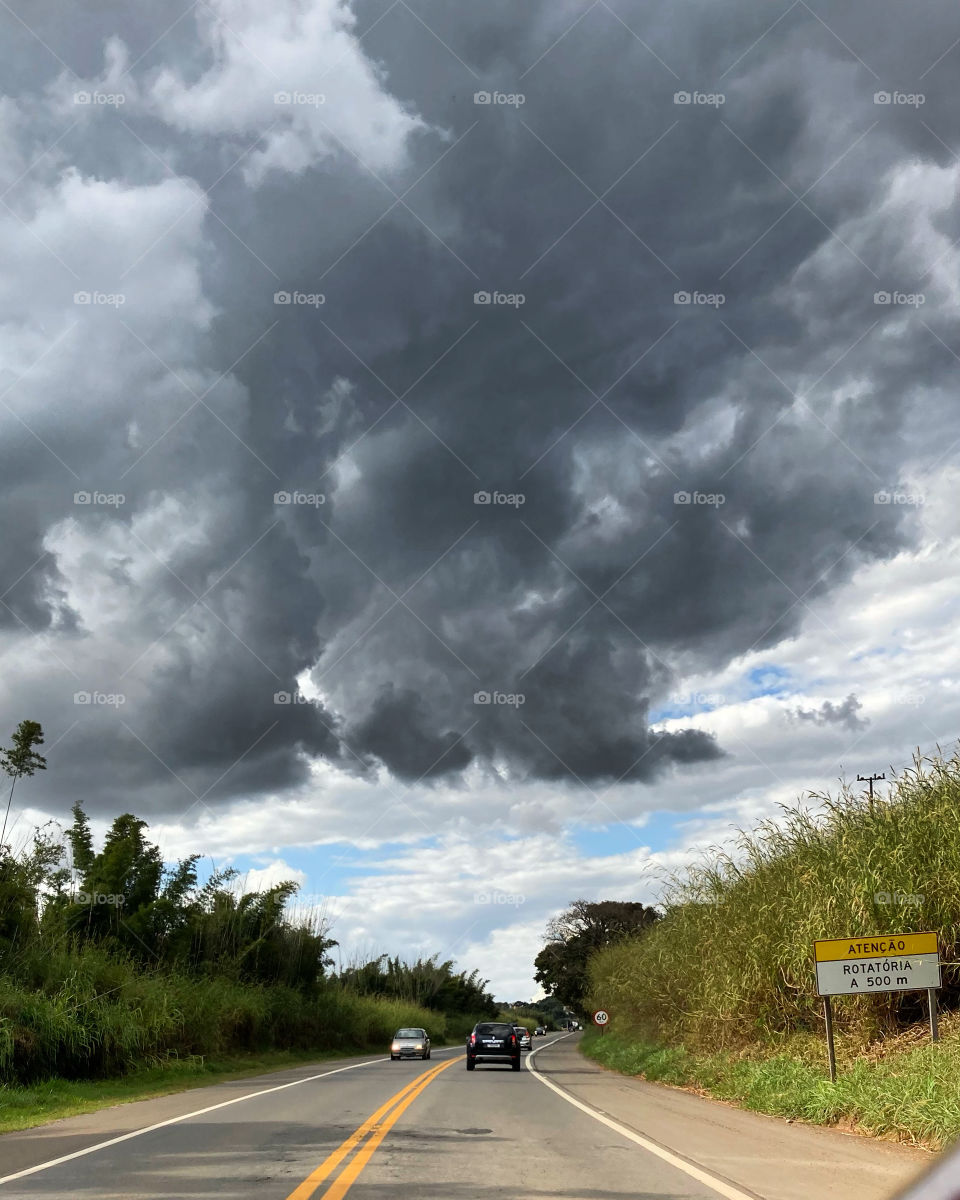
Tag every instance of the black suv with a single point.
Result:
(493, 1041)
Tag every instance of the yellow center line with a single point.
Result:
(349, 1175)
(404, 1097)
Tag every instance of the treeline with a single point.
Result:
(549, 1013)
(123, 900)
(573, 937)
(426, 982)
(731, 962)
(110, 958)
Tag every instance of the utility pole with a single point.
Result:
(870, 779)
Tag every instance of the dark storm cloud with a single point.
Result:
(828, 713)
(597, 404)
(400, 731)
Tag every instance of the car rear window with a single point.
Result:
(498, 1030)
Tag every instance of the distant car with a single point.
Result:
(523, 1037)
(410, 1043)
(493, 1041)
(539, 1031)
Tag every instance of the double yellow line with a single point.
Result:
(374, 1129)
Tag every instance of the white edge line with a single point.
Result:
(125, 1137)
(718, 1185)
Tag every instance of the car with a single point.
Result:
(539, 1031)
(523, 1037)
(493, 1041)
(410, 1043)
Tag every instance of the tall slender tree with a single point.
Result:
(20, 760)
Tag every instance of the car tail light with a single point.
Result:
(473, 1039)
(513, 1039)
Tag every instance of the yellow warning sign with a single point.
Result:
(881, 945)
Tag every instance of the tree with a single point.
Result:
(579, 931)
(20, 882)
(21, 760)
(124, 899)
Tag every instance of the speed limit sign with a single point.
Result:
(601, 1017)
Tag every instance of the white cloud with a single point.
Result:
(261, 879)
(305, 51)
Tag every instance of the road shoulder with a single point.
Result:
(759, 1153)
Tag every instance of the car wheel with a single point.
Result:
(516, 1064)
(470, 1064)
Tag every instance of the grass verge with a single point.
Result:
(905, 1090)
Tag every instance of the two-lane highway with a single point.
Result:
(374, 1129)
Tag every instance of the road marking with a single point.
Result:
(720, 1186)
(315, 1178)
(125, 1137)
(377, 1128)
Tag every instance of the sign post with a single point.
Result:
(600, 1018)
(899, 962)
(831, 1053)
(932, 1009)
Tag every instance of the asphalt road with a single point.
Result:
(562, 1129)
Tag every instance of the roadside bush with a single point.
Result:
(75, 1028)
(731, 963)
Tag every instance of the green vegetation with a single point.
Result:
(908, 1093)
(112, 962)
(730, 964)
(576, 934)
(461, 998)
(93, 1015)
(548, 1012)
(721, 993)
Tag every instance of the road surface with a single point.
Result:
(562, 1129)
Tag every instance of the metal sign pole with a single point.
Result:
(831, 1055)
(932, 1007)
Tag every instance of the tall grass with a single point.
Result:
(731, 963)
(89, 1014)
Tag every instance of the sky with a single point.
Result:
(466, 458)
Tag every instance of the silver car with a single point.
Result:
(410, 1043)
